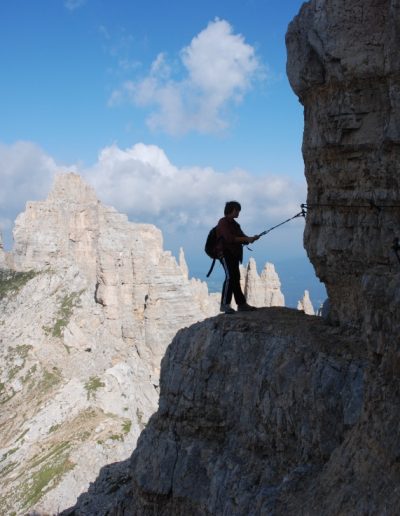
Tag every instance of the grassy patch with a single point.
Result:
(54, 428)
(29, 373)
(64, 313)
(49, 380)
(92, 385)
(116, 437)
(7, 469)
(50, 468)
(126, 426)
(11, 282)
(20, 437)
(6, 455)
(20, 352)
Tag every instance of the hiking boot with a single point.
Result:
(227, 309)
(246, 308)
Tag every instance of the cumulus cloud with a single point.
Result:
(219, 67)
(184, 202)
(26, 174)
(142, 182)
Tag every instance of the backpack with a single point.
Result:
(211, 247)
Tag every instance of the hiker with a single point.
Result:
(230, 241)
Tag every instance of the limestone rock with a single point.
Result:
(305, 304)
(249, 405)
(2, 254)
(183, 264)
(343, 63)
(263, 290)
(85, 318)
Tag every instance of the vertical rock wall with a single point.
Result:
(343, 63)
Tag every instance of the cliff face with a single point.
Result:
(276, 412)
(343, 63)
(86, 312)
(250, 406)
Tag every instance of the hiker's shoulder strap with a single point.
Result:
(211, 268)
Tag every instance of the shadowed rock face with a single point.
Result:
(343, 63)
(250, 405)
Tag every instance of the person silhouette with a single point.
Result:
(230, 241)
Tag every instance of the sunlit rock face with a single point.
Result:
(264, 289)
(305, 304)
(88, 305)
(2, 253)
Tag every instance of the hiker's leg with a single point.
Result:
(234, 276)
(226, 295)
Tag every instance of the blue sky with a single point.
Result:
(167, 108)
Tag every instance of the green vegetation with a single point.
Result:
(54, 428)
(68, 303)
(52, 466)
(116, 437)
(21, 352)
(126, 426)
(9, 467)
(49, 380)
(7, 454)
(92, 385)
(22, 435)
(84, 436)
(11, 282)
(29, 373)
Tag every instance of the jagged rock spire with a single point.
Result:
(305, 304)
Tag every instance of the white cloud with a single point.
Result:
(219, 68)
(141, 181)
(26, 173)
(72, 5)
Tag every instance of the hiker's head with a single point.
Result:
(231, 207)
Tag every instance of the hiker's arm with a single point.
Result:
(246, 239)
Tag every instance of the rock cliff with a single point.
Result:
(251, 405)
(86, 313)
(276, 412)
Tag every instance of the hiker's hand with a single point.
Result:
(253, 239)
